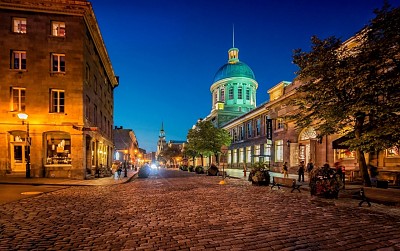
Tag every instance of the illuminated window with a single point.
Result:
(240, 92)
(257, 153)
(230, 93)
(229, 157)
(344, 154)
(58, 29)
(58, 148)
(267, 151)
(241, 155)
(248, 154)
(18, 99)
(279, 151)
(57, 102)
(393, 152)
(58, 62)
(19, 60)
(234, 156)
(19, 25)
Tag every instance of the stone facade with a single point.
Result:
(54, 67)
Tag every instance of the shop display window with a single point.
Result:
(58, 148)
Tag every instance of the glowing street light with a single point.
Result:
(24, 117)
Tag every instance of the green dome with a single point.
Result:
(236, 69)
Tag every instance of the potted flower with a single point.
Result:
(259, 174)
(199, 170)
(325, 182)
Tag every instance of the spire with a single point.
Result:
(162, 133)
(233, 35)
(233, 53)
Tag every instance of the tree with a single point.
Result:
(353, 87)
(205, 139)
(171, 152)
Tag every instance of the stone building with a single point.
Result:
(126, 146)
(250, 141)
(54, 67)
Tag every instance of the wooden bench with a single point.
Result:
(285, 182)
(380, 195)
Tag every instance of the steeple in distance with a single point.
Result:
(162, 132)
(233, 53)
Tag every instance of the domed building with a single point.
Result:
(233, 90)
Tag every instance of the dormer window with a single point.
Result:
(19, 25)
(58, 29)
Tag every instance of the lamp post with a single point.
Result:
(24, 117)
(135, 163)
(125, 167)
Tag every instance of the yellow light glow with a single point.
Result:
(22, 116)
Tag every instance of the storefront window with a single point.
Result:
(393, 152)
(58, 148)
(279, 151)
(345, 154)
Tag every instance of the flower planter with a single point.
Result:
(325, 183)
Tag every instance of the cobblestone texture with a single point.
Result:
(184, 211)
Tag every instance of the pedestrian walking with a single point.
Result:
(119, 171)
(285, 170)
(300, 171)
(310, 166)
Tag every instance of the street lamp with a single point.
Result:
(125, 167)
(24, 117)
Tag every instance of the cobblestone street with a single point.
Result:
(183, 211)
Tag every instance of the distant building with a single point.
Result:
(126, 145)
(55, 68)
(162, 145)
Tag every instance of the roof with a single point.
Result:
(235, 69)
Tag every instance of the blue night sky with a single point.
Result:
(167, 52)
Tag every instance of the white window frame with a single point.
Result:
(57, 103)
(58, 29)
(21, 57)
(222, 95)
(56, 62)
(240, 92)
(18, 99)
(19, 25)
(247, 94)
(230, 93)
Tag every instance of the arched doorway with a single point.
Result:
(307, 144)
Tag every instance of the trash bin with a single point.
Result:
(382, 184)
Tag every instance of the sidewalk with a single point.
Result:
(238, 173)
(19, 179)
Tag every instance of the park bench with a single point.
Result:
(285, 182)
(379, 195)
